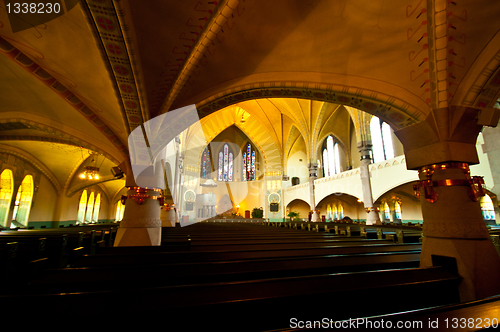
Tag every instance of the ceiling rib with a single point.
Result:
(224, 10)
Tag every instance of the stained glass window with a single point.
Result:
(221, 161)
(230, 172)
(397, 210)
(249, 160)
(487, 208)
(206, 165)
(340, 211)
(244, 166)
(226, 162)
(249, 163)
(226, 169)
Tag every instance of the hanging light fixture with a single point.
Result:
(90, 172)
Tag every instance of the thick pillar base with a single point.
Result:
(477, 263)
(167, 218)
(141, 223)
(372, 218)
(454, 229)
(315, 216)
(144, 236)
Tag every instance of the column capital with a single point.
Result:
(447, 134)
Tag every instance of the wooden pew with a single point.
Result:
(116, 256)
(468, 316)
(408, 236)
(236, 300)
(182, 273)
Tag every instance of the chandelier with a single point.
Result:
(90, 172)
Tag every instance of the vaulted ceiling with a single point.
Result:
(83, 79)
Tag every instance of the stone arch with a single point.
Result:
(398, 112)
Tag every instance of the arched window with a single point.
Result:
(24, 198)
(206, 164)
(397, 211)
(386, 211)
(249, 159)
(225, 168)
(381, 140)
(335, 214)
(120, 208)
(487, 208)
(90, 207)
(6, 191)
(331, 157)
(82, 207)
(329, 212)
(97, 205)
(340, 211)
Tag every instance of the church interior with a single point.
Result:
(157, 116)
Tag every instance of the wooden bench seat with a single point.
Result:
(228, 304)
(467, 316)
(116, 256)
(104, 278)
(280, 244)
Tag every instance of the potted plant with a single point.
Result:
(293, 215)
(257, 213)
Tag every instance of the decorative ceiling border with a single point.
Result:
(397, 113)
(62, 91)
(103, 21)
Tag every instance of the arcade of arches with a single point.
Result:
(381, 111)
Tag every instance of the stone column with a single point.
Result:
(372, 216)
(454, 227)
(168, 215)
(441, 148)
(313, 174)
(141, 223)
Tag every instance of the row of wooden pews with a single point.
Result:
(26, 252)
(399, 234)
(237, 274)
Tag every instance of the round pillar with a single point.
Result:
(141, 223)
(167, 216)
(454, 229)
(315, 216)
(372, 217)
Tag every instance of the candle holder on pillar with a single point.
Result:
(141, 223)
(475, 182)
(371, 209)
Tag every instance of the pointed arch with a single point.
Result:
(6, 192)
(24, 198)
(90, 208)
(381, 134)
(487, 208)
(82, 207)
(97, 205)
